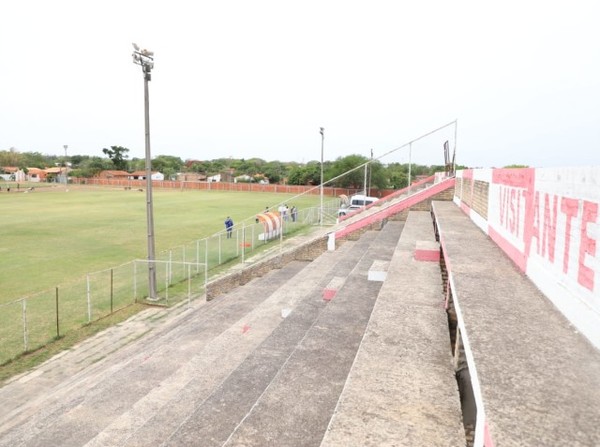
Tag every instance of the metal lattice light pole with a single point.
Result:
(145, 59)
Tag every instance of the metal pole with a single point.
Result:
(57, 320)
(454, 152)
(112, 283)
(370, 173)
(89, 303)
(281, 231)
(149, 208)
(198, 255)
(24, 317)
(321, 188)
(66, 146)
(409, 165)
(243, 241)
(189, 284)
(205, 264)
(170, 268)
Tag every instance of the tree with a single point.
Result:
(168, 165)
(91, 166)
(11, 157)
(397, 175)
(118, 155)
(309, 174)
(275, 171)
(137, 164)
(342, 165)
(377, 175)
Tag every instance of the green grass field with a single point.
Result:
(49, 237)
(69, 253)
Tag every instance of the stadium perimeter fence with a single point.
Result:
(181, 273)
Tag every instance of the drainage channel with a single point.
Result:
(461, 368)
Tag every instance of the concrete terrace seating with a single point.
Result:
(536, 379)
(232, 371)
(401, 389)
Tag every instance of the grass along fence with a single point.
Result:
(33, 321)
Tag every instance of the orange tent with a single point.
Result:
(271, 225)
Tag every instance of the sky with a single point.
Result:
(518, 81)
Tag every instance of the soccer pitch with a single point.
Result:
(51, 236)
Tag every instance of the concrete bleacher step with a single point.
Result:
(170, 369)
(378, 270)
(211, 417)
(293, 404)
(134, 371)
(401, 390)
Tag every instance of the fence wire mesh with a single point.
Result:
(181, 275)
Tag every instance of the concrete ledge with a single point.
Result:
(378, 271)
(332, 288)
(308, 251)
(427, 251)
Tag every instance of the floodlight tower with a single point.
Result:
(145, 59)
(66, 146)
(322, 130)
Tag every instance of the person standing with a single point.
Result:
(229, 227)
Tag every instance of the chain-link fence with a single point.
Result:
(181, 275)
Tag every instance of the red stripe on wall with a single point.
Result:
(513, 253)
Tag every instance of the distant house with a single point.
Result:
(36, 175)
(244, 178)
(119, 175)
(214, 178)
(141, 175)
(12, 173)
(191, 177)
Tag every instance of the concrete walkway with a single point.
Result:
(402, 390)
(539, 378)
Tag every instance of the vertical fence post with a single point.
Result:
(280, 233)
(183, 260)
(111, 291)
(197, 255)
(237, 243)
(189, 284)
(243, 241)
(170, 268)
(206, 262)
(135, 280)
(205, 278)
(57, 322)
(88, 297)
(167, 270)
(24, 316)
(219, 249)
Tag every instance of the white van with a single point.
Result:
(355, 202)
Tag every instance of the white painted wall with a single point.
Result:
(548, 222)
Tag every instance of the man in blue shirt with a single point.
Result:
(229, 226)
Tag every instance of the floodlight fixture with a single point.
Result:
(144, 58)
